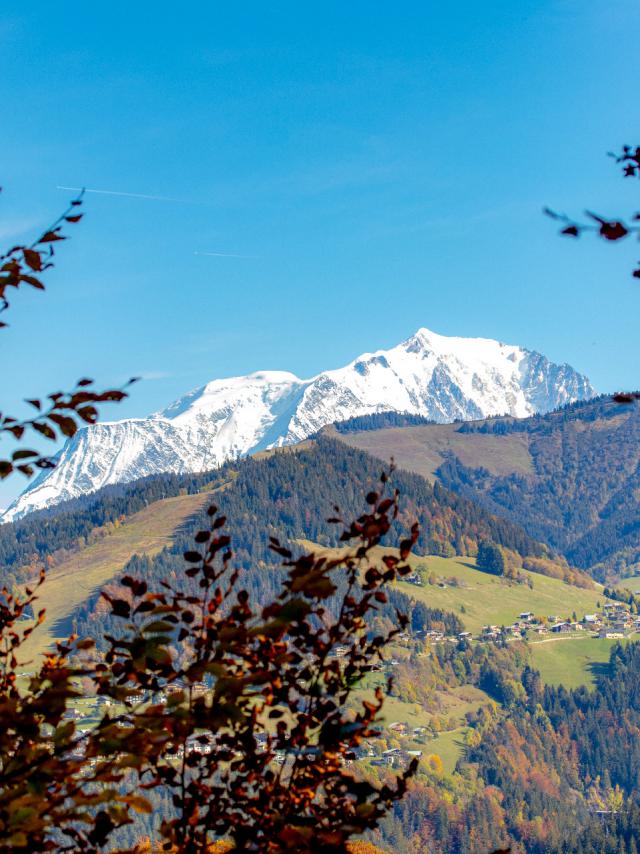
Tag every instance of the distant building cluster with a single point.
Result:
(615, 621)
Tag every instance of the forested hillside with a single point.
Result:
(552, 772)
(293, 490)
(528, 773)
(290, 494)
(47, 537)
(569, 478)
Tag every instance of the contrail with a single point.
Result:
(224, 255)
(117, 193)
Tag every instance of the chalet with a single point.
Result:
(361, 751)
(490, 630)
(616, 610)
(561, 628)
(198, 689)
(201, 743)
(527, 616)
(72, 714)
(358, 752)
(340, 651)
(398, 728)
(591, 619)
(173, 688)
(392, 756)
(465, 635)
(395, 755)
(611, 634)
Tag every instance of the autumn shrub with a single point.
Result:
(243, 715)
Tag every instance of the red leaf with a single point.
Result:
(67, 425)
(44, 429)
(50, 237)
(613, 230)
(33, 259)
(23, 455)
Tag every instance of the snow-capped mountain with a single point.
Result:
(431, 375)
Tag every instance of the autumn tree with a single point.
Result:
(259, 756)
(242, 714)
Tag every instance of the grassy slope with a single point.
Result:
(486, 600)
(73, 581)
(449, 744)
(489, 599)
(571, 661)
(420, 449)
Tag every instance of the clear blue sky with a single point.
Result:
(378, 167)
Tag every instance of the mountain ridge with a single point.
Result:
(570, 478)
(438, 377)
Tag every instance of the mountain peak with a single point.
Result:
(440, 377)
(453, 343)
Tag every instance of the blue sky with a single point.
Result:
(371, 168)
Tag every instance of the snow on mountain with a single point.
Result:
(439, 377)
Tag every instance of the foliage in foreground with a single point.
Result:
(237, 712)
(63, 412)
(209, 689)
